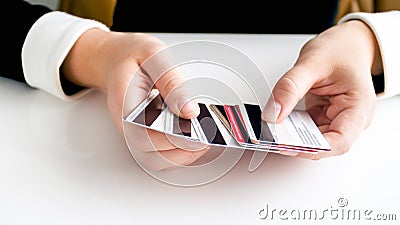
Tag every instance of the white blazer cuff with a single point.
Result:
(386, 27)
(47, 44)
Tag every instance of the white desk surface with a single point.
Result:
(65, 163)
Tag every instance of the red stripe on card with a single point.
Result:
(234, 125)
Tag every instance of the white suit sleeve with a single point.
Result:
(47, 44)
(386, 27)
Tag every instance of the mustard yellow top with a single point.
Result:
(100, 10)
(349, 6)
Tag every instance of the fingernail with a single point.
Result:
(188, 108)
(271, 111)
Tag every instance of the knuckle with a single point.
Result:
(287, 85)
(191, 156)
(171, 84)
(151, 50)
(148, 45)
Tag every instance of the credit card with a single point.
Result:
(208, 127)
(220, 113)
(237, 127)
(174, 124)
(296, 133)
(237, 123)
(151, 112)
(181, 126)
(261, 129)
(243, 124)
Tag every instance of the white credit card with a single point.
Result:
(298, 129)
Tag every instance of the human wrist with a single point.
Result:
(84, 64)
(370, 42)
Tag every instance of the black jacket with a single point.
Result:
(307, 16)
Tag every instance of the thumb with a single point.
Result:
(162, 70)
(288, 91)
(176, 95)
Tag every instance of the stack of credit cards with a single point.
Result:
(233, 125)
